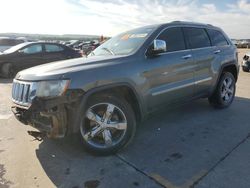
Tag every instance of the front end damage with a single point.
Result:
(51, 116)
(52, 121)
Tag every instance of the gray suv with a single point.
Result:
(103, 97)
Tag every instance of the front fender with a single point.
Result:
(87, 94)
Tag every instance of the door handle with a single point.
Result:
(187, 56)
(217, 52)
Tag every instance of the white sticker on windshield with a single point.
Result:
(140, 35)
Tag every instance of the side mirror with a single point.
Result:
(159, 46)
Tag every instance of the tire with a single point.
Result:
(107, 125)
(8, 71)
(245, 69)
(225, 92)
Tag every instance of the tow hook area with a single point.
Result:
(52, 122)
(20, 115)
(37, 135)
(58, 119)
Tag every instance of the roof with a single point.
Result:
(40, 42)
(190, 24)
(183, 23)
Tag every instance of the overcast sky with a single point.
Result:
(113, 16)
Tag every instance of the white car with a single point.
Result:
(246, 62)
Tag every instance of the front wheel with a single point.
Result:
(107, 125)
(8, 71)
(225, 91)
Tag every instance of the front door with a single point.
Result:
(30, 56)
(170, 75)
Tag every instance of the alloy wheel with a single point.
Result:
(227, 89)
(104, 125)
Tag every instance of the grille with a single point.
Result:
(22, 92)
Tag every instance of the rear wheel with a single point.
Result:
(225, 91)
(107, 125)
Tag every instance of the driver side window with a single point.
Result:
(174, 39)
(37, 48)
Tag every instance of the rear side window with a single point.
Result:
(217, 38)
(174, 39)
(196, 37)
(53, 48)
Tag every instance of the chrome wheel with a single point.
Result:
(227, 89)
(104, 125)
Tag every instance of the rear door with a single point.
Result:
(170, 75)
(204, 57)
(225, 53)
(53, 52)
(219, 41)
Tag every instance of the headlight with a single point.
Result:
(52, 88)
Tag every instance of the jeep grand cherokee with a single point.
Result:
(104, 96)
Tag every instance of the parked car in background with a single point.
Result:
(88, 47)
(246, 63)
(31, 54)
(72, 43)
(104, 96)
(243, 44)
(6, 43)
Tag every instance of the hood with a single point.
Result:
(60, 69)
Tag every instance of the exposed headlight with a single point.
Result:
(52, 88)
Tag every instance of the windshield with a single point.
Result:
(15, 48)
(125, 43)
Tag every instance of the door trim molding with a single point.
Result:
(203, 80)
(172, 89)
(182, 86)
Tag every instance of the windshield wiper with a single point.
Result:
(108, 50)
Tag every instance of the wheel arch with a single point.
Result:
(232, 68)
(119, 89)
(228, 67)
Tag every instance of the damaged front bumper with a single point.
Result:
(45, 115)
(50, 115)
(53, 116)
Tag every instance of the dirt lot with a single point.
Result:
(191, 146)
